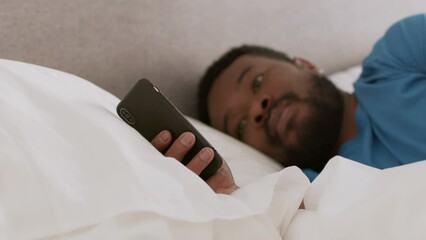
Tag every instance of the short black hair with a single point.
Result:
(213, 72)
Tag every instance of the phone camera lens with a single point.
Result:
(126, 115)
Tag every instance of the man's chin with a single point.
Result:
(317, 129)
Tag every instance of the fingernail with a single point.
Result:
(206, 154)
(164, 136)
(187, 139)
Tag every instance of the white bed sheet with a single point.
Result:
(349, 200)
(71, 169)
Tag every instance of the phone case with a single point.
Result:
(149, 112)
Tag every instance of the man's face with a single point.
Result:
(283, 109)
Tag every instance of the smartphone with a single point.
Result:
(148, 111)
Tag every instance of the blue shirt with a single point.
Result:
(391, 93)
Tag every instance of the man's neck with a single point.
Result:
(348, 129)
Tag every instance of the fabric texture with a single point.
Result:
(352, 201)
(391, 117)
(391, 91)
(71, 168)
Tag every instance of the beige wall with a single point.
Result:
(113, 43)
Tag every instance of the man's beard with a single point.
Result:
(318, 132)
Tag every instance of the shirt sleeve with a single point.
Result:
(391, 91)
(401, 50)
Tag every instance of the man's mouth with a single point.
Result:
(279, 119)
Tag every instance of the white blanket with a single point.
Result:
(352, 201)
(71, 169)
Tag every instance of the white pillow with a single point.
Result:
(345, 79)
(245, 162)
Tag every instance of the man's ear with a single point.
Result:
(303, 63)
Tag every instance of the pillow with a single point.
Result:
(246, 163)
(345, 79)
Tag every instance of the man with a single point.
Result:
(285, 108)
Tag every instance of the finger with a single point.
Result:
(218, 179)
(222, 181)
(162, 141)
(201, 160)
(181, 146)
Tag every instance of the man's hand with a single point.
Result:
(221, 182)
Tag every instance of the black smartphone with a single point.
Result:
(148, 111)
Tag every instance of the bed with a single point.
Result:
(70, 168)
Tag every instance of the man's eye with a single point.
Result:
(240, 130)
(257, 82)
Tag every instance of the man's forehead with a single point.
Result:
(234, 69)
(251, 59)
(231, 74)
(254, 60)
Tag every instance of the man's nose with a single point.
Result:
(259, 110)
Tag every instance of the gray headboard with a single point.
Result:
(113, 43)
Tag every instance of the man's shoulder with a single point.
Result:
(399, 50)
(408, 24)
